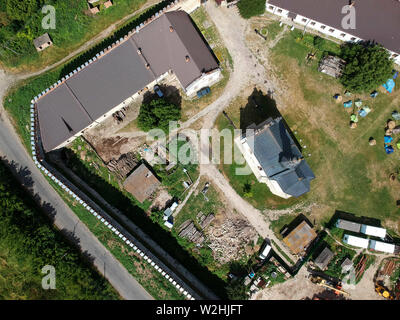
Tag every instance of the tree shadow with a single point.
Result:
(261, 107)
(171, 95)
(138, 216)
(353, 218)
(286, 229)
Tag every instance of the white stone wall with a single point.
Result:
(206, 80)
(320, 27)
(255, 166)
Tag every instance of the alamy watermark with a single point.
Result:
(204, 146)
(349, 20)
(49, 20)
(49, 280)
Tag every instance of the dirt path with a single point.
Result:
(296, 288)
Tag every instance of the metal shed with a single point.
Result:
(381, 246)
(348, 225)
(373, 231)
(356, 241)
(324, 258)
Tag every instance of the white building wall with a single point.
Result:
(109, 113)
(255, 166)
(206, 80)
(322, 28)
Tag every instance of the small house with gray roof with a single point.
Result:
(275, 159)
(42, 42)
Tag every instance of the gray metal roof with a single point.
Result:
(324, 258)
(44, 38)
(348, 225)
(108, 81)
(60, 117)
(280, 158)
(120, 73)
(377, 20)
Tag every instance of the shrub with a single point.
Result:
(251, 8)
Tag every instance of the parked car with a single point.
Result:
(158, 91)
(265, 250)
(203, 92)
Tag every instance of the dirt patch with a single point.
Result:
(161, 199)
(297, 288)
(230, 240)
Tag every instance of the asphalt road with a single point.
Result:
(12, 150)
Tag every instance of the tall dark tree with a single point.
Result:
(367, 66)
(21, 10)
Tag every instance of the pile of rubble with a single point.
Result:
(228, 240)
(124, 165)
(189, 230)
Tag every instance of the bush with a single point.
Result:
(157, 114)
(368, 66)
(319, 42)
(251, 8)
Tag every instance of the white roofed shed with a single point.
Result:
(381, 246)
(356, 241)
(373, 231)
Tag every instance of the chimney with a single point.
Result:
(187, 58)
(171, 29)
(139, 51)
(352, 3)
(147, 65)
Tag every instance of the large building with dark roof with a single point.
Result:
(375, 20)
(84, 98)
(275, 159)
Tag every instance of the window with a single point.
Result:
(313, 23)
(395, 55)
(323, 27)
(279, 10)
(342, 35)
(353, 39)
(304, 20)
(271, 8)
(331, 30)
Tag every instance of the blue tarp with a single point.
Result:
(389, 149)
(388, 139)
(389, 85)
(348, 104)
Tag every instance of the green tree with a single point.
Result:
(157, 114)
(21, 10)
(236, 290)
(251, 8)
(367, 66)
(318, 42)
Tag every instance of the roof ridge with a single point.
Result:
(180, 39)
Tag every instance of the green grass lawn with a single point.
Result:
(351, 176)
(271, 30)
